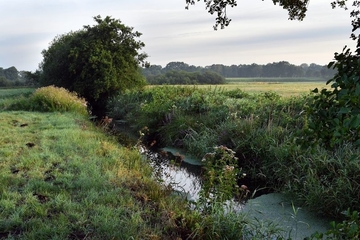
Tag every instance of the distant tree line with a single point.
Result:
(275, 69)
(11, 77)
(186, 78)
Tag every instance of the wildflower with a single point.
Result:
(228, 168)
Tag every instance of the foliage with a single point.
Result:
(97, 62)
(261, 128)
(297, 9)
(334, 115)
(347, 229)
(220, 177)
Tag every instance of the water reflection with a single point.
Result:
(172, 168)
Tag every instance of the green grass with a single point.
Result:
(275, 80)
(13, 92)
(286, 87)
(64, 178)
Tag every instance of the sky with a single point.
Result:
(258, 33)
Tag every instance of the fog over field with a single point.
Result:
(259, 31)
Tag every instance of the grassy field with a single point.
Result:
(282, 86)
(278, 80)
(285, 87)
(62, 177)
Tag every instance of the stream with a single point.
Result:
(178, 169)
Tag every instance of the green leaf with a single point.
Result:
(344, 110)
(331, 64)
(355, 122)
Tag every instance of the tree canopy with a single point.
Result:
(97, 61)
(296, 9)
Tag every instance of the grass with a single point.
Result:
(64, 178)
(286, 87)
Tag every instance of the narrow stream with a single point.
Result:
(183, 174)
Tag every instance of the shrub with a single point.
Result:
(54, 99)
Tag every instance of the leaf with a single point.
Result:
(344, 110)
(357, 91)
(355, 122)
(331, 64)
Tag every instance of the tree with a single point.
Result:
(11, 73)
(97, 62)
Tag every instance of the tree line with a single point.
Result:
(185, 78)
(11, 77)
(275, 69)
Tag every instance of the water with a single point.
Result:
(182, 172)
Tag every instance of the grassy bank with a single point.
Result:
(64, 178)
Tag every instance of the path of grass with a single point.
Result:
(61, 178)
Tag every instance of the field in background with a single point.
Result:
(285, 87)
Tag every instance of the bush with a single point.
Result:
(54, 99)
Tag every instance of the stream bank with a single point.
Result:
(182, 171)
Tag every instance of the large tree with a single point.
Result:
(97, 61)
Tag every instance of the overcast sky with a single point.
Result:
(259, 31)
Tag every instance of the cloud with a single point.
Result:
(259, 32)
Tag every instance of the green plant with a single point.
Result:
(334, 115)
(220, 177)
(347, 229)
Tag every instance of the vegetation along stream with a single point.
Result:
(182, 172)
(266, 144)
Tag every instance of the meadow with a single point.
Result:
(286, 87)
(65, 177)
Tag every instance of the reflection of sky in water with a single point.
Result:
(182, 180)
(183, 177)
